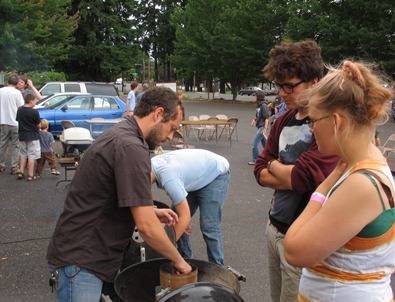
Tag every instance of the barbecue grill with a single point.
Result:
(75, 141)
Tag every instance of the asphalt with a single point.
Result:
(29, 211)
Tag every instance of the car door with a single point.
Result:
(77, 110)
(105, 107)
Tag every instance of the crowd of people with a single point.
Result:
(330, 234)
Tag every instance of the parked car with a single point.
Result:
(79, 108)
(55, 98)
(249, 90)
(84, 87)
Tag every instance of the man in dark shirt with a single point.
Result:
(290, 163)
(109, 194)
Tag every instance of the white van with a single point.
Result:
(83, 87)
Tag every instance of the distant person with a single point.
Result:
(180, 94)
(25, 85)
(377, 141)
(195, 180)
(29, 124)
(261, 122)
(10, 100)
(47, 154)
(290, 163)
(144, 88)
(280, 107)
(109, 196)
(131, 99)
(345, 237)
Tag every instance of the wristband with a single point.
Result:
(318, 197)
(269, 164)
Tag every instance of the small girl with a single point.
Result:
(46, 141)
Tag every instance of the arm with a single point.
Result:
(153, 233)
(32, 87)
(184, 218)
(321, 230)
(127, 105)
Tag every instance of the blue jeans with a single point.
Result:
(255, 142)
(76, 284)
(209, 200)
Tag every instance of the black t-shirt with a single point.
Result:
(28, 118)
(96, 225)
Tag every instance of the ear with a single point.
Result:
(339, 122)
(313, 82)
(158, 113)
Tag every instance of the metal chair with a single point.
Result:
(389, 146)
(198, 130)
(67, 124)
(231, 128)
(178, 141)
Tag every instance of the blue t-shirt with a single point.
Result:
(46, 140)
(182, 171)
(132, 98)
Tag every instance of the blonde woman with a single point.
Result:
(345, 237)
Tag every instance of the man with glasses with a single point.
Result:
(290, 163)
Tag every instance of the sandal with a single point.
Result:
(20, 175)
(30, 178)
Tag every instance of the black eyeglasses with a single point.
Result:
(287, 88)
(310, 123)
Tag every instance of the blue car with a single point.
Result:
(79, 108)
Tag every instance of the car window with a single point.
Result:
(72, 88)
(82, 103)
(105, 89)
(103, 103)
(50, 89)
(57, 100)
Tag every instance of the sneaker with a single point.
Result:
(55, 172)
(14, 171)
(2, 168)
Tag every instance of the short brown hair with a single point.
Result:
(29, 98)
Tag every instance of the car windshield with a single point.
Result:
(43, 100)
(57, 101)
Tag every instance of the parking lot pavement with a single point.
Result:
(29, 211)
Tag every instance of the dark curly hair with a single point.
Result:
(158, 97)
(302, 60)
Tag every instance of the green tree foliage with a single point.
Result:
(225, 39)
(103, 46)
(36, 34)
(155, 32)
(347, 29)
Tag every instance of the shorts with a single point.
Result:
(30, 149)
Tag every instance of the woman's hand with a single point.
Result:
(332, 178)
(167, 216)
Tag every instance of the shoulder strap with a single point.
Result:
(386, 188)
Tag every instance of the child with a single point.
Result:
(46, 140)
(29, 138)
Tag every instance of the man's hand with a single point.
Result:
(167, 216)
(188, 230)
(182, 267)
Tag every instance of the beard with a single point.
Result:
(153, 139)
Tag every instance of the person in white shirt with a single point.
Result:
(10, 100)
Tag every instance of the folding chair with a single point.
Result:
(178, 141)
(389, 146)
(197, 129)
(67, 124)
(231, 128)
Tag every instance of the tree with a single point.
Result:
(224, 39)
(347, 29)
(36, 34)
(103, 46)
